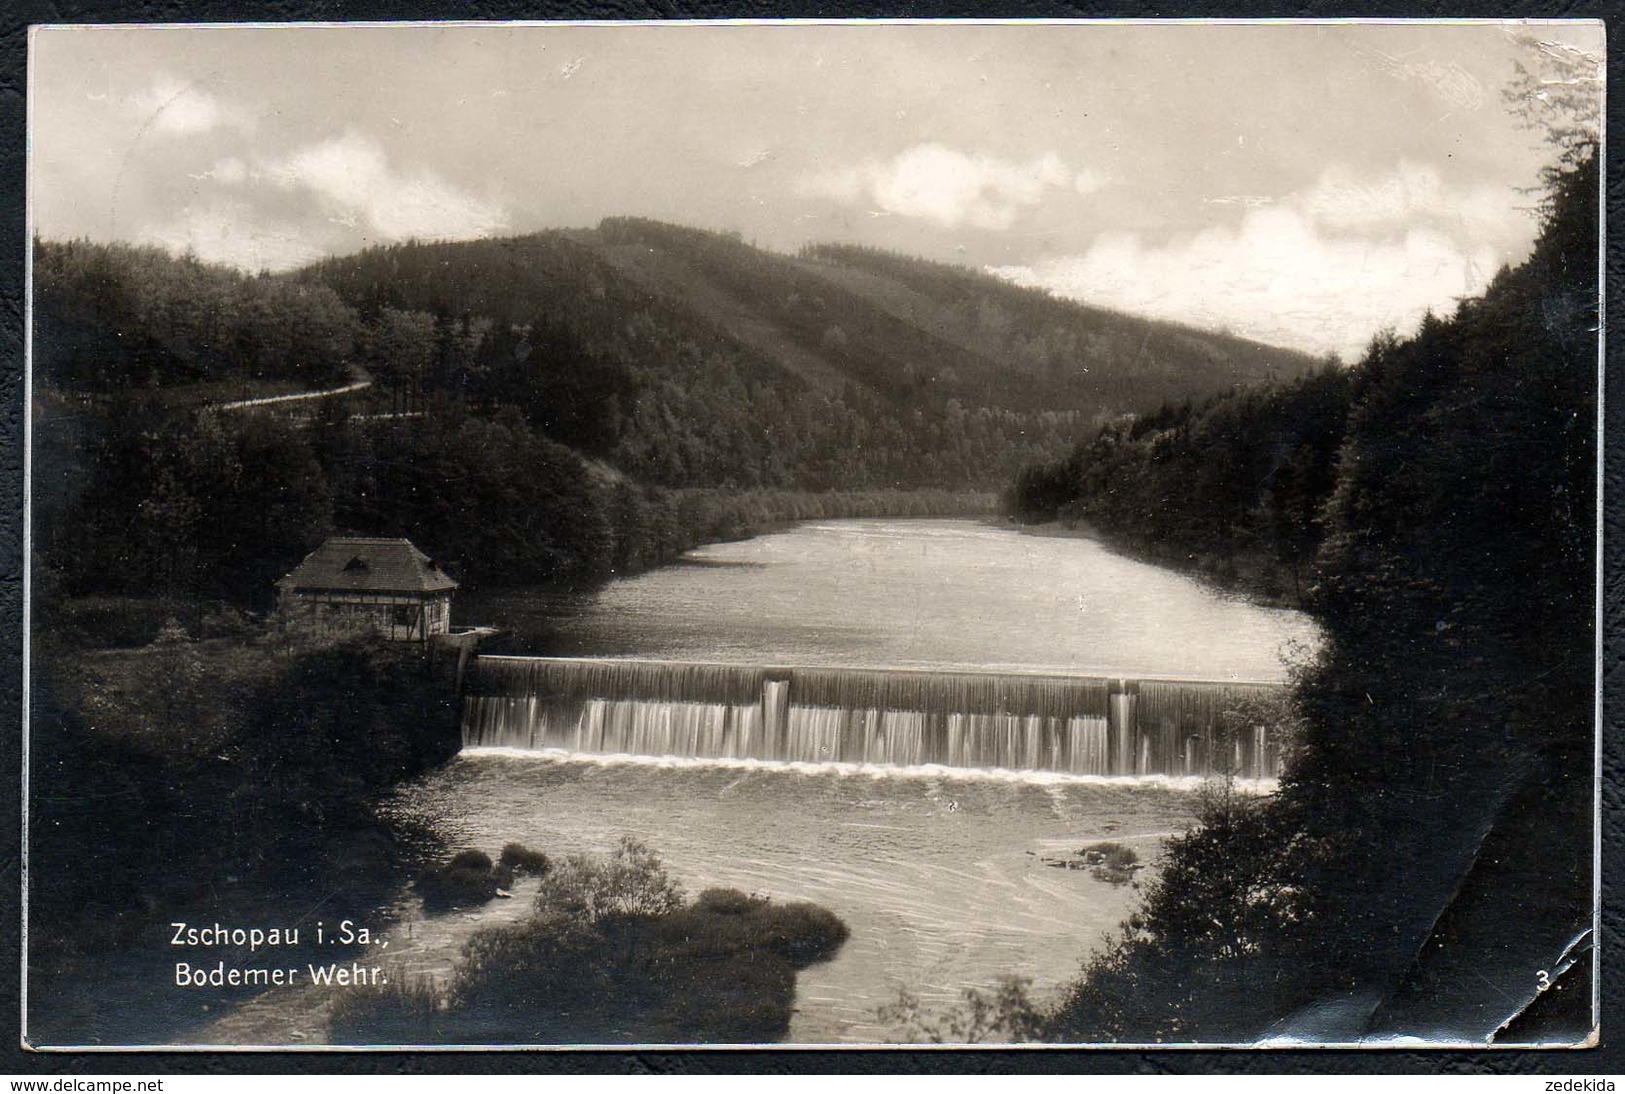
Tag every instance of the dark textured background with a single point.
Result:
(15, 18)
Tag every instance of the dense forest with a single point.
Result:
(563, 406)
(110, 317)
(688, 358)
(1231, 485)
(1448, 479)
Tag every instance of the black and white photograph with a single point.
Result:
(813, 533)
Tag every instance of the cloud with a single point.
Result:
(1322, 271)
(321, 198)
(1410, 195)
(235, 234)
(231, 171)
(1087, 182)
(183, 109)
(951, 188)
(352, 177)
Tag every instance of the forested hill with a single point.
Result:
(1065, 350)
(833, 316)
(568, 404)
(114, 318)
(840, 368)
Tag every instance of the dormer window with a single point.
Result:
(385, 583)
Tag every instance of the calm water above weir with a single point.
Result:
(939, 594)
(939, 872)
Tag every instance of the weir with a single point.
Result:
(1073, 724)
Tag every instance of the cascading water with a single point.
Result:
(1078, 725)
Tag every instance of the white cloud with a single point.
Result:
(1087, 182)
(230, 171)
(935, 183)
(182, 109)
(1410, 195)
(1321, 270)
(1277, 277)
(231, 233)
(353, 177)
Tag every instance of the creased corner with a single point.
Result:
(1562, 969)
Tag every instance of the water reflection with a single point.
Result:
(949, 594)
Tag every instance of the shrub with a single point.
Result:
(1005, 1015)
(95, 622)
(405, 1011)
(522, 860)
(469, 878)
(1111, 861)
(804, 934)
(738, 998)
(727, 902)
(470, 860)
(1228, 892)
(631, 881)
(614, 954)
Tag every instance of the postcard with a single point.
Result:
(819, 533)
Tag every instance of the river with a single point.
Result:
(941, 874)
(938, 594)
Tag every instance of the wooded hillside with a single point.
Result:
(688, 358)
(1427, 863)
(570, 404)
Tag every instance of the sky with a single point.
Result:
(1303, 184)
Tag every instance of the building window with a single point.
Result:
(403, 615)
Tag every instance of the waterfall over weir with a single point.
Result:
(1078, 725)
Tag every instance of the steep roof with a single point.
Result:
(359, 564)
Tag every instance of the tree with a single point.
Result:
(1558, 97)
(1452, 693)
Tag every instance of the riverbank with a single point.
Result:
(229, 782)
(1254, 575)
(235, 781)
(940, 876)
(693, 520)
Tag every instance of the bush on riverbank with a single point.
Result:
(612, 954)
(522, 860)
(1111, 862)
(470, 877)
(202, 769)
(1004, 1015)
